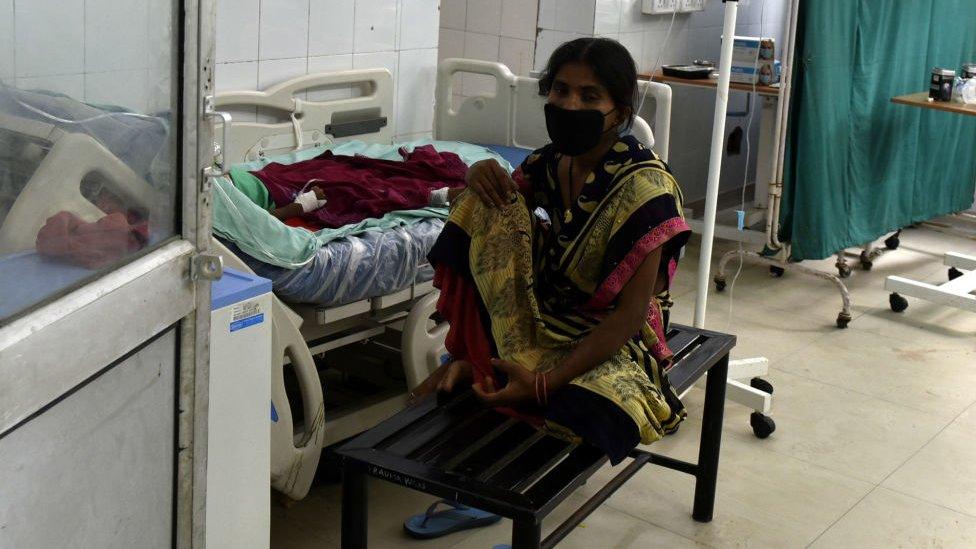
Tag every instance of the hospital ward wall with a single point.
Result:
(695, 35)
(488, 30)
(264, 42)
(123, 67)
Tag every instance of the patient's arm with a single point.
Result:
(288, 212)
(295, 209)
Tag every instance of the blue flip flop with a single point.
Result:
(434, 523)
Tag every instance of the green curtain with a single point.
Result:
(858, 166)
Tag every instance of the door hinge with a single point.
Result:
(206, 267)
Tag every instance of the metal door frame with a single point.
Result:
(59, 347)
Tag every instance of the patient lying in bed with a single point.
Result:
(331, 191)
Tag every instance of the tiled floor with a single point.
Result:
(875, 443)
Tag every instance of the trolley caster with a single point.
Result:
(776, 272)
(954, 273)
(898, 303)
(892, 242)
(762, 425)
(762, 385)
(866, 262)
(843, 319)
(719, 283)
(844, 271)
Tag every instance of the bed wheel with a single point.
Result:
(719, 283)
(762, 425)
(898, 303)
(866, 262)
(892, 242)
(761, 384)
(776, 272)
(954, 273)
(844, 270)
(843, 319)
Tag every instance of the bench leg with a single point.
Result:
(354, 507)
(526, 534)
(711, 441)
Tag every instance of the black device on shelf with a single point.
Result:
(692, 72)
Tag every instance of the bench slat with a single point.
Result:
(535, 462)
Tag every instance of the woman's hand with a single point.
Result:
(519, 390)
(493, 185)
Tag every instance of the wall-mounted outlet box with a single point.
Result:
(655, 7)
(692, 5)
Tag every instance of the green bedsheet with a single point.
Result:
(244, 219)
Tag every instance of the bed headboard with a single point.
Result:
(311, 121)
(514, 116)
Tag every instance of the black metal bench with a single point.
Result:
(471, 454)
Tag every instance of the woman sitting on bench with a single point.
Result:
(576, 311)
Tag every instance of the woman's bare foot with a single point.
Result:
(444, 378)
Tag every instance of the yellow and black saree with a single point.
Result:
(528, 292)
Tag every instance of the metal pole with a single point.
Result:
(715, 161)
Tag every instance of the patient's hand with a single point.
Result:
(493, 185)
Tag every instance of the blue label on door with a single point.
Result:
(274, 413)
(245, 322)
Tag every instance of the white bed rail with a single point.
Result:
(514, 114)
(311, 122)
(294, 456)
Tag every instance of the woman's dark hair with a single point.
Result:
(609, 60)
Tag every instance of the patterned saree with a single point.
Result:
(527, 291)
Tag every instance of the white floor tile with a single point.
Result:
(853, 434)
(932, 376)
(764, 499)
(887, 519)
(943, 473)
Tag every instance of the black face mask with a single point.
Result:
(573, 132)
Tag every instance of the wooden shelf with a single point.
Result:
(921, 99)
(711, 83)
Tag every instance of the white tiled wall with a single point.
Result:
(489, 30)
(693, 36)
(263, 42)
(99, 51)
(561, 21)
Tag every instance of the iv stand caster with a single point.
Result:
(843, 319)
(898, 303)
(719, 283)
(762, 425)
(893, 241)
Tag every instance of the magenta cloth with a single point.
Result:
(358, 187)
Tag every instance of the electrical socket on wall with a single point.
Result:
(655, 7)
(692, 5)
